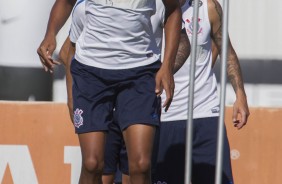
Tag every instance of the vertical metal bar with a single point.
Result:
(219, 155)
(189, 128)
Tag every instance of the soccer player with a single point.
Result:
(124, 56)
(171, 154)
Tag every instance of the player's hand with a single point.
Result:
(240, 112)
(45, 52)
(164, 80)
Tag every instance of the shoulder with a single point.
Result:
(160, 8)
(214, 11)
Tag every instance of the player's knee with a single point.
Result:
(140, 166)
(92, 165)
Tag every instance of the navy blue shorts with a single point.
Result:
(170, 166)
(96, 92)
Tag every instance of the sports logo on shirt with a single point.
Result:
(77, 118)
(215, 109)
(190, 27)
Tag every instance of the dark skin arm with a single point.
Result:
(240, 107)
(71, 53)
(183, 51)
(63, 54)
(58, 16)
(172, 28)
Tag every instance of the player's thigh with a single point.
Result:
(92, 146)
(139, 140)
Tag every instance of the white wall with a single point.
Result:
(258, 95)
(22, 28)
(255, 28)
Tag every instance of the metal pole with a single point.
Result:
(219, 154)
(189, 128)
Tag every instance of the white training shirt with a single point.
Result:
(206, 102)
(157, 21)
(118, 34)
(78, 20)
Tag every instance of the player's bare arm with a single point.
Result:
(63, 54)
(58, 16)
(172, 28)
(71, 53)
(183, 51)
(240, 108)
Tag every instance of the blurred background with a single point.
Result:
(254, 26)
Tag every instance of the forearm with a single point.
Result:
(182, 52)
(234, 73)
(233, 67)
(59, 14)
(172, 35)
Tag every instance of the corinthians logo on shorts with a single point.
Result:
(191, 3)
(77, 118)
